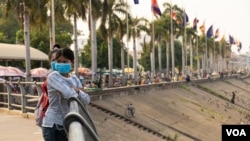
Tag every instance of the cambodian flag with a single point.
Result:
(136, 1)
(195, 22)
(155, 7)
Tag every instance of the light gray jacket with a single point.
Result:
(59, 90)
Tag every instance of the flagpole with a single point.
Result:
(206, 57)
(214, 67)
(198, 61)
(184, 49)
(191, 58)
(93, 50)
(53, 21)
(153, 49)
(172, 41)
(127, 33)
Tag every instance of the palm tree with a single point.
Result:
(174, 28)
(190, 37)
(162, 35)
(29, 13)
(120, 33)
(94, 15)
(137, 25)
(37, 10)
(112, 11)
(77, 9)
(202, 47)
(182, 31)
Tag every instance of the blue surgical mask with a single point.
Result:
(63, 68)
(53, 65)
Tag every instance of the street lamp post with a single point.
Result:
(27, 42)
(93, 47)
(52, 23)
(134, 55)
(50, 29)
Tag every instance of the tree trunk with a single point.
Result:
(159, 57)
(27, 43)
(76, 63)
(191, 58)
(93, 44)
(110, 52)
(183, 53)
(122, 63)
(153, 52)
(134, 60)
(167, 59)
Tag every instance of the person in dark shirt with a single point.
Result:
(233, 97)
(188, 78)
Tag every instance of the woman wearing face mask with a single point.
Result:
(61, 86)
(52, 56)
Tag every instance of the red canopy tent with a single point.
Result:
(84, 71)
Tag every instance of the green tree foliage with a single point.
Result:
(8, 27)
(145, 57)
(102, 56)
(3, 38)
(12, 32)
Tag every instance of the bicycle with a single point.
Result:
(130, 111)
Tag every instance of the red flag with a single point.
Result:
(173, 14)
(217, 32)
(195, 22)
(155, 7)
(236, 42)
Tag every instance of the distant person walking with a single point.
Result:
(233, 97)
(188, 78)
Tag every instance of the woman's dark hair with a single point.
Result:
(67, 53)
(56, 47)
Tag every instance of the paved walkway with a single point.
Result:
(16, 128)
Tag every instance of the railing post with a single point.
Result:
(10, 98)
(23, 98)
(39, 89)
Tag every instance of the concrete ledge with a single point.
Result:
(18, 113)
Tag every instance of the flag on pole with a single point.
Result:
(239, 46)
(210, 32)
(155, 7)
(173, 14)
(217, 33)
(195, 23)
(202, 28)
(223, 38)
(231, 40)
(136, 1)
(236, 42)
(184, 19)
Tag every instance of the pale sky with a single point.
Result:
(230, 16)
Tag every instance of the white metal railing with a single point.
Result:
(78, 124)
(20, 95)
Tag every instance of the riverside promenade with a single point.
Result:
(14, 128)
